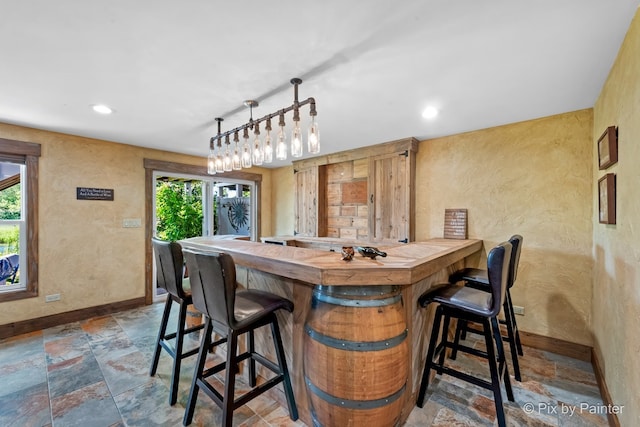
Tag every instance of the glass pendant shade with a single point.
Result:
(296, 141)
(281, 147)
(211, 162)
(246, 155)
(268, 149)
(236, 164)
(227, 162)
(219, 162)
(313, 137)
(258, 154)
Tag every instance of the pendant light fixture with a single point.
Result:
(261, 152)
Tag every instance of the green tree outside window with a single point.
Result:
(10, 209)
(178, 210)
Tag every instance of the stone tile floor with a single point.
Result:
(96, 373)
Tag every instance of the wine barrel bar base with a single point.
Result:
(355, 354)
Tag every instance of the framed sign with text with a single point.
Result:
(86, 193)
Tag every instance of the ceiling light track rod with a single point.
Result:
(223, 159)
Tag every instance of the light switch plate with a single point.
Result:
(52, 298)
(131, 223)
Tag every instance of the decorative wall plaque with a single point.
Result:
(455, 223)
(607, 199)
(608, 148)
(85, 193)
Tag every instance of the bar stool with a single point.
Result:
(477, 278)
(477, 306)
(233, 313)
(169, 267)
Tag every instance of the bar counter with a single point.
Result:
(356, 340)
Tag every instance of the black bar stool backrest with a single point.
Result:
(516, 244)
(498, 263)
(217, 298)
(169, 265)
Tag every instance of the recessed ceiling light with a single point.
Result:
(430, 112)
(102, 109)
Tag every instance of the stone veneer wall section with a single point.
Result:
(616, 284)
(532, 178)
(347, 200)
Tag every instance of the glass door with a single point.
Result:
(191, 206)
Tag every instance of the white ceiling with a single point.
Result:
(169, 67)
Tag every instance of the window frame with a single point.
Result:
(27, 153)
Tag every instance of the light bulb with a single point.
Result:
(219, 162)
(281, 147)
(211, 162)
(258, 155)
(227, 162)
(236, 164)
(296, 140)
(268, 149)
(313, 137)
(246, 155)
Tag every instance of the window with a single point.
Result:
(18, 219)
(12, 226)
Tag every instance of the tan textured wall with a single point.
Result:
(616, 308)
(532, 178)
(282, 191)
(85, 254)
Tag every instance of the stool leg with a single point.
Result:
(230, 380)
(512, 340)
(461, 326)
(463, 335)
(197, 374)
(252, 361)
(161, 334)
(493, 368)
(177, 360)
(443, 342)
(282, 361)
(427, 363)
(502, 364)
(514, 323)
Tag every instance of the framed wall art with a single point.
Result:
(608, 148)
(607, 199)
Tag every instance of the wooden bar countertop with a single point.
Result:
(404, 264)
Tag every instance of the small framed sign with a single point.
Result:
(608, 148)
(455, 223)
(85, 193)
(607, 199)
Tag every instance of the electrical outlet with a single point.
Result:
(518, 310)
(131, 223)
(52, 298)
